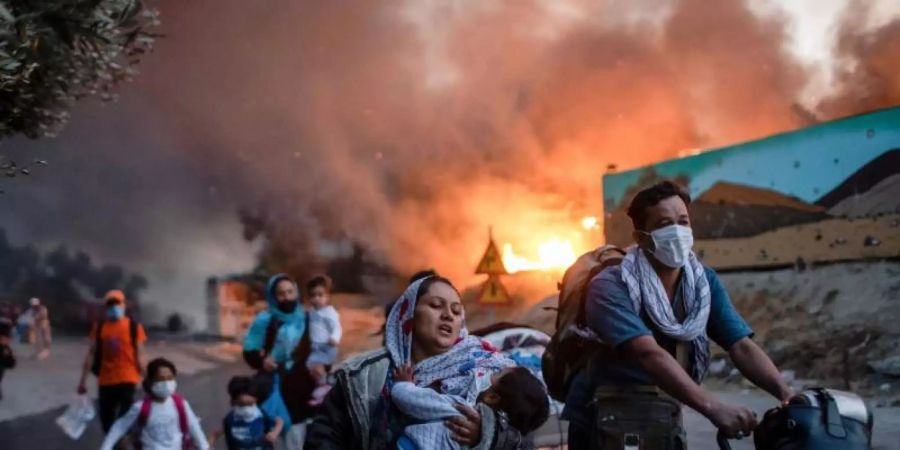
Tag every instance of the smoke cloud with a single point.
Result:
(411, 127)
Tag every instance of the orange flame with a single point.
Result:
(554, 254)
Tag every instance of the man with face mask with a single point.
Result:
(656, 314)
(116, 350)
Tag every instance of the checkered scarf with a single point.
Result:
(648, 294)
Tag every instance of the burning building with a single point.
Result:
(231, 303)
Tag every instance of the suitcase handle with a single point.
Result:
(722, 440)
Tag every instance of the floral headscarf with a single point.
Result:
(465, 370)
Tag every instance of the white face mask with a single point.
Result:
(673, 245)
(163, 389)
(247, 413)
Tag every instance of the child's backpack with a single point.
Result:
(574, 343)
(187, 443)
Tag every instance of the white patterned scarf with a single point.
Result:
(649, 295)
(464, 370)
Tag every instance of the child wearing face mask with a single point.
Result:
(246, 427)
(163, 420)
(324, 334)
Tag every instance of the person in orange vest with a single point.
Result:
(116, 350)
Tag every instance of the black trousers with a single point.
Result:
(113, 402)
(579, 437)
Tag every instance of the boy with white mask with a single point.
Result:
(656, 314)
(163, 420)
(246, 426)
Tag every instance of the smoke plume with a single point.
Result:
(411, 127)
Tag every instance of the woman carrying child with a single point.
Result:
(426, 330)
(276, 345)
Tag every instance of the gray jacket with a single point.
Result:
(345, 417)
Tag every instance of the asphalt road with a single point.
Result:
(206, 393)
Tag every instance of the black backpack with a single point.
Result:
(98, 346)
(573, 343)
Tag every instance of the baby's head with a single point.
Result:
(520, 395)
(318, 288)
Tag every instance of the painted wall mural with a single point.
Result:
(826, 193)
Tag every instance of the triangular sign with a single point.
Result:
(493, 292)
(491, 263)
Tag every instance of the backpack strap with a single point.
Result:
(132, 333)
(144, 415)
(187, 443)
(271, 334)
(182, 413)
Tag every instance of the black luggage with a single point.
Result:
(815, 419)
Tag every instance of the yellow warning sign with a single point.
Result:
(493, 292)
(491, 263)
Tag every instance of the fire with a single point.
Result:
(552, 250)
(554, 254)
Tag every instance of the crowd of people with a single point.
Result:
(432, 384)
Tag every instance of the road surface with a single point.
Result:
(206, 393)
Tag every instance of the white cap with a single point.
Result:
(35, 301)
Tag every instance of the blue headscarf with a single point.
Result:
(293, 325)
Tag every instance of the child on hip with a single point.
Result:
(324, 334)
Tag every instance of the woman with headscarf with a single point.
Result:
(276, 345)
(426, 328)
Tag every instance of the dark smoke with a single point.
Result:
(409, 128)
(68, 283)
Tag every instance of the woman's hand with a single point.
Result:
(272, 436)
(269, 364)
(465, 429)
(404, 373)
